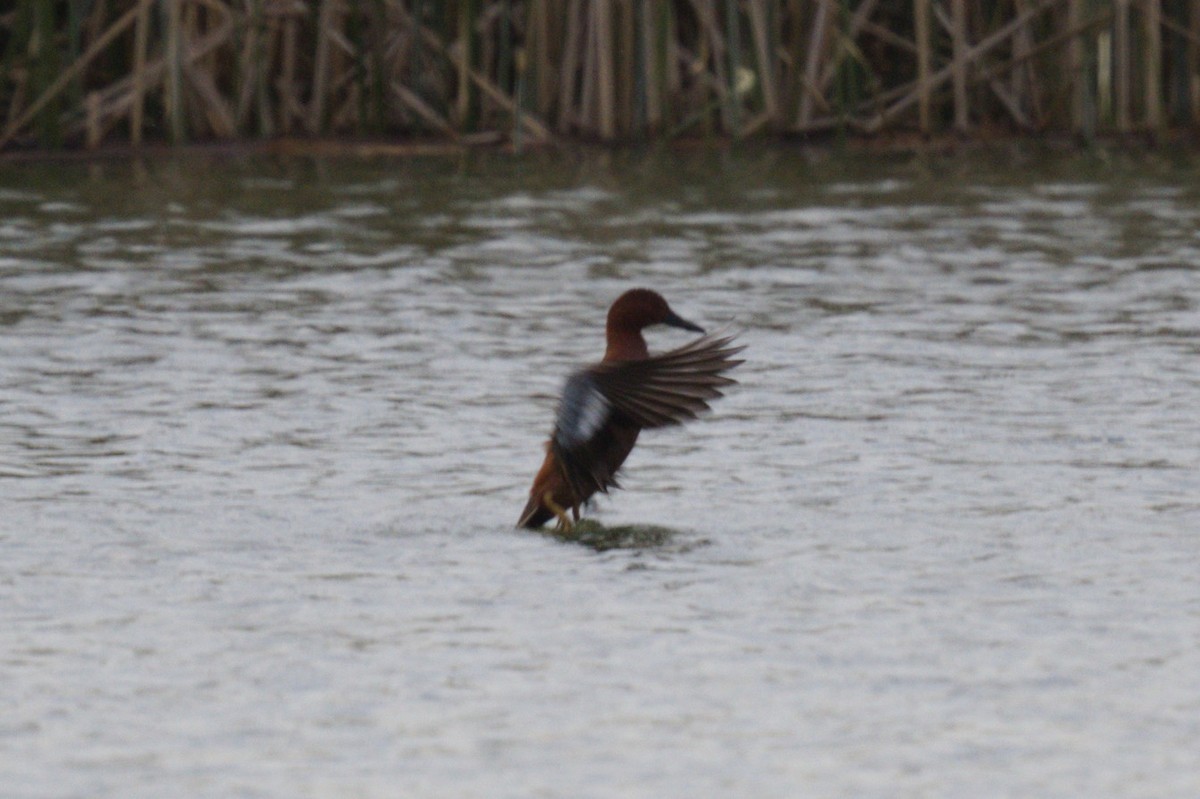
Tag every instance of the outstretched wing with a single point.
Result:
(662, 390)
(670, 388)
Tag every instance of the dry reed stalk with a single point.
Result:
(248, 64)
(1006, 98)
(790, 52)
(586, 117)
(721, 82)
(733, 47)
(291, 108)
(320, 77)
(551, 64)
(762, 35)
(570, 63)
(1074, 58)
(95, 130)
(454, 55)
(174, 79)
(1152, 31)
(604, 73)
(810, 86)
(1193, 61)
(192, 110)
(629, 97)
(521, 78)
(20, 120)
(200, 13)
(1010, 103)
(494, 57)
(216, 111)
(406, 50)
(1121, 66)
(672, 57)
(909, 94)
(1189, 91)
(37, 41)
(257, 56)
(95, 22)
(713, 49)
(528, 122)
(924, 60)
(466, 55)
(541, 55)
(607, 68)
(858, 24)
(1104, 75)
(1021, 40)
(1189, 36)
(693, 66)
(117, 99)
(141, 39)
(755, 124)
(345, 115)
(345, 83)
(1023, 78)
(1049, 43)
(489, 55)
(17, 101)
(958, 35)
(885, 35)
(651, 67)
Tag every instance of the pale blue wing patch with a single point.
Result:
(582, 411)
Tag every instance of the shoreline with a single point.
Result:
(947, 144)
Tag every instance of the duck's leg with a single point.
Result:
(564, 522)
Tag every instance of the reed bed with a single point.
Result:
(87, 72)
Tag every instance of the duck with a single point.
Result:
(604, 407)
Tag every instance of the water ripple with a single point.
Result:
(263, 436)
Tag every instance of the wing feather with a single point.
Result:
(658, 391)
(670, 388)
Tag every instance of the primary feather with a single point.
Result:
(658, 391)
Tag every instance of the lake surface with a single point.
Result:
(265, 426)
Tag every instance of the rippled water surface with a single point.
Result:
(265, 426)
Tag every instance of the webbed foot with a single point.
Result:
(565, 525)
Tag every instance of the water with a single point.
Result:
(265, 425)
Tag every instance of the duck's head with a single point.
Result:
(641, 308)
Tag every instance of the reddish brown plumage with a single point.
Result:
(633, 311)
(605, 406)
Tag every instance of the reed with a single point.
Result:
(960, 64)
(924, 46)
(1153, 60)
(537, 71)
(1188, 86)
